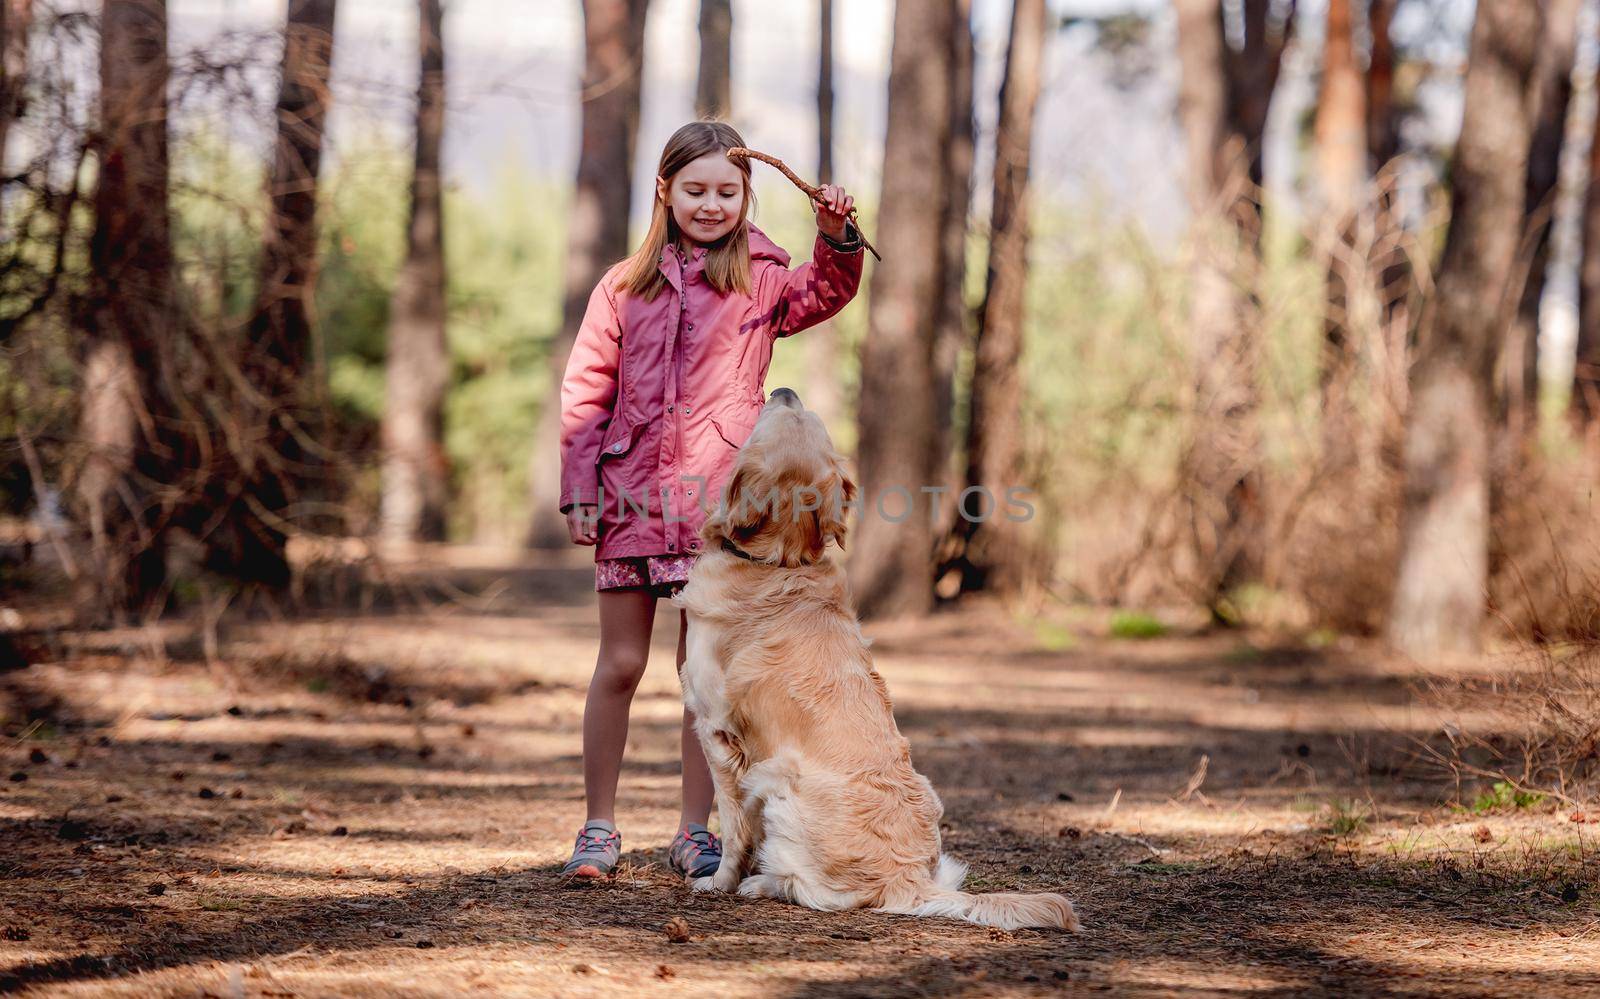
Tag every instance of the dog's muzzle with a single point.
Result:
(784, 397)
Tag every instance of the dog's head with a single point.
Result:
(787, 496)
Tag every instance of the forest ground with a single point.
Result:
(379, 802)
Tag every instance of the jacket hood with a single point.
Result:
(762, 248)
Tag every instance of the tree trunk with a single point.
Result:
(890, 561)
(415, 470)
(1341, 144)
(1341, 124)
(1439, 596)
(823, 396)
(1391, 263)
(714, 91)
(16, 22)
(251, 543)
(1517, 384)
(1383, 128)
(1250, 76)
(1203, 104)
(1584, 406)
(1383, 145)
(127, 319)
(1221, 465)
(825, 92)
(990, 552)
(8, 77)
(956, 321)
(597, 225)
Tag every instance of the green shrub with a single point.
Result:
(1133, 624)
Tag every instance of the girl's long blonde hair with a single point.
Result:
(727, 260)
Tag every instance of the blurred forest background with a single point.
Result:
(256, 294)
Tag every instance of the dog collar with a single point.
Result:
(729, 546)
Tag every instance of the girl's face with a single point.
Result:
(705, 198)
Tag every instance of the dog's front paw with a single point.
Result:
(757, 886)
(726, 879)
(707, 883)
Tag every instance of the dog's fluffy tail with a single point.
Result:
(1005, 910)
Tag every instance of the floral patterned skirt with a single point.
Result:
(662, 575)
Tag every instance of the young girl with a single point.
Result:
(663, 386)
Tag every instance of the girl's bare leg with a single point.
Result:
(626, 617)
(697, 787)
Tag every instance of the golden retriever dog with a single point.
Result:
(817, 797)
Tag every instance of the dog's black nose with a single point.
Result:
(785, 397)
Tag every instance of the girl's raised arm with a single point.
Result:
(589, 396)
(809, 294)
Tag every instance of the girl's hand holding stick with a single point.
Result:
(830, 200)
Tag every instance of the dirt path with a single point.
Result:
(378, 803)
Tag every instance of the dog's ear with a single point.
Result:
(839, 496)
(813, 539)
(735, 519)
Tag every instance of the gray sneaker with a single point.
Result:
(597, 851)
(695, 852)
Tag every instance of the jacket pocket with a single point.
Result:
(619, 439)
(733, 430)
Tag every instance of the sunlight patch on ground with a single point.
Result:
(1429, 946)
(1186, 976)
(1185, 821)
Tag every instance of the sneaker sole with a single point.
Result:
(586, 871)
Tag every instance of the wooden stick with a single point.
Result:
(814, 193)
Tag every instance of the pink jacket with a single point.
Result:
(659, 396)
